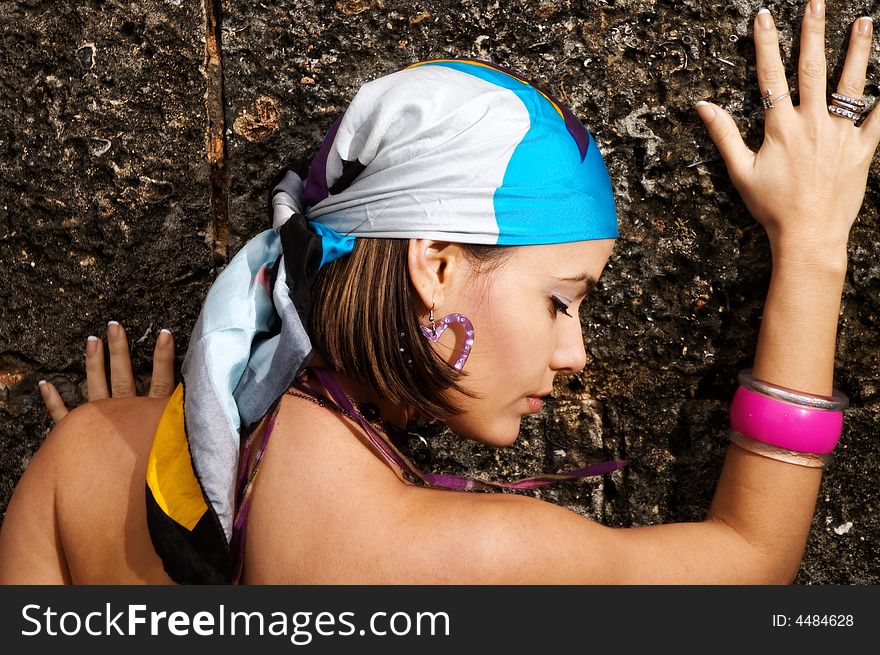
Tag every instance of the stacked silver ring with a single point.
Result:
(847, 107)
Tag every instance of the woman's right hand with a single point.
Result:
(806, 183)
(121, 383)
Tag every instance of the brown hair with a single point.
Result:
(364, 322)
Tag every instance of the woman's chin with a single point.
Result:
(498, 433)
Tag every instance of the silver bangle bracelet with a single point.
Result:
(810, 460)
(837, 402)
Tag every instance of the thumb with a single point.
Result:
(726, 137)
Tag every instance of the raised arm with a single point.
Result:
(805, 186)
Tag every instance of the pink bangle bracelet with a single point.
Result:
(786, 425)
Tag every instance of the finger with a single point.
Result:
(771, 73)
(811, 67)
(53, 401)
(852, 79)
(871, 130)
(96, 376)
(726, 137)
(162, 380)
(121, 374)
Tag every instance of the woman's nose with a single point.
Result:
(570, 355)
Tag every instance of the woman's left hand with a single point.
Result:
(121, 383)
(806, 183)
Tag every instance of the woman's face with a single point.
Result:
(527, 329)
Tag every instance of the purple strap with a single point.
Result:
(409, 473)
(244, 486)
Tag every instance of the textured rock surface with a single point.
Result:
(105, 194)
(122, 183)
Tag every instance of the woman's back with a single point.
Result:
(98, 455)
(326, 509)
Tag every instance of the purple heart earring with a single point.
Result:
(436, 330)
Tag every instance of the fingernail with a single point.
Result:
(42, 383)
(865, 24)
(765, 20)
(706, 114)
(92, 345)
(164, 337)
(817, 8)
(112, 329)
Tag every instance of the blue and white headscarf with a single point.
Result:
(455, 150)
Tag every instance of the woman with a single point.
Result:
(331, 500)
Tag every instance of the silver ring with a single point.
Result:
(843, 112)
(847, 101)
(847, 105)
(767, 99)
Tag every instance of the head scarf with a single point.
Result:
(455, 150)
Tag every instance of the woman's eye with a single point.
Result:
(558, 306)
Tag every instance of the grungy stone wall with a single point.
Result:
(139, 142)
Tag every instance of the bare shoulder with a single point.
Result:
(328, 510)
(82, 497)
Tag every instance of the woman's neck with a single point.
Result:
(397, 415)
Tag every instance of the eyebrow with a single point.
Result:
(589, 280)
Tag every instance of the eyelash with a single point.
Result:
(558, 306)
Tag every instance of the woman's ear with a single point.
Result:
(435, 268)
